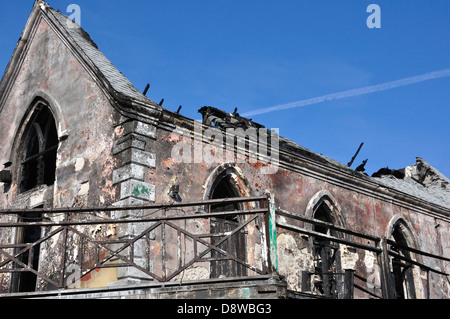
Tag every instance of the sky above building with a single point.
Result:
(313, 69)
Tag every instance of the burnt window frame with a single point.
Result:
(323, 208)
(225, 184)
(39, 108)
(402, 272)
(326, 256)
(38, 147)
(27, 281)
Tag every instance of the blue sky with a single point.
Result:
(257, 54)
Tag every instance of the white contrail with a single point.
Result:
(353, 92)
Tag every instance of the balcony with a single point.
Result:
(102, 249)
(194, 250)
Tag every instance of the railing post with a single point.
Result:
(62, 283)
(271, 233)
(349, 283)
(264, 236)
(385, 273)
(163, 251)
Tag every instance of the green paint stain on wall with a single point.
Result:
(246, 293)
(140, 190)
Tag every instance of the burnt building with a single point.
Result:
(106, 194)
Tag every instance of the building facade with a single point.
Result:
(105, 193)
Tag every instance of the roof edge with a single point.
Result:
(19, 53)
(127, 100)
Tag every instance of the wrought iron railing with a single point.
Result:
(379, 283)
(158, 242)
(179, 242)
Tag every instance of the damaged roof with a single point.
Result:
(420, 180)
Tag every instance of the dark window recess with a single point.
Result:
(325, 257)
(38, 158)
(222, 225)
(25, 281)
(401, 270)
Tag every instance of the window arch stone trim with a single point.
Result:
(24, 120)
(239, 182)
(325, 197)
(407, 231)
(399, 220)
(43, 97)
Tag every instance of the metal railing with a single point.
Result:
(170, 242)
(381, 282)
(159, 242)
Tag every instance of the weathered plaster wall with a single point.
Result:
(362, 210)
(51, 71)
(84, 119)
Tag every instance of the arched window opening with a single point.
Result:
(222, 225)
(38, 150)
(224, 189)
(326, 256)
(402, 270)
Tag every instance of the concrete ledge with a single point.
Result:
(140, 128)
(255, 287)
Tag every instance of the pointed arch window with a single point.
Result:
(225, 267)
(38, 150)
(326, 256)
(327, 279)
(402, 270)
